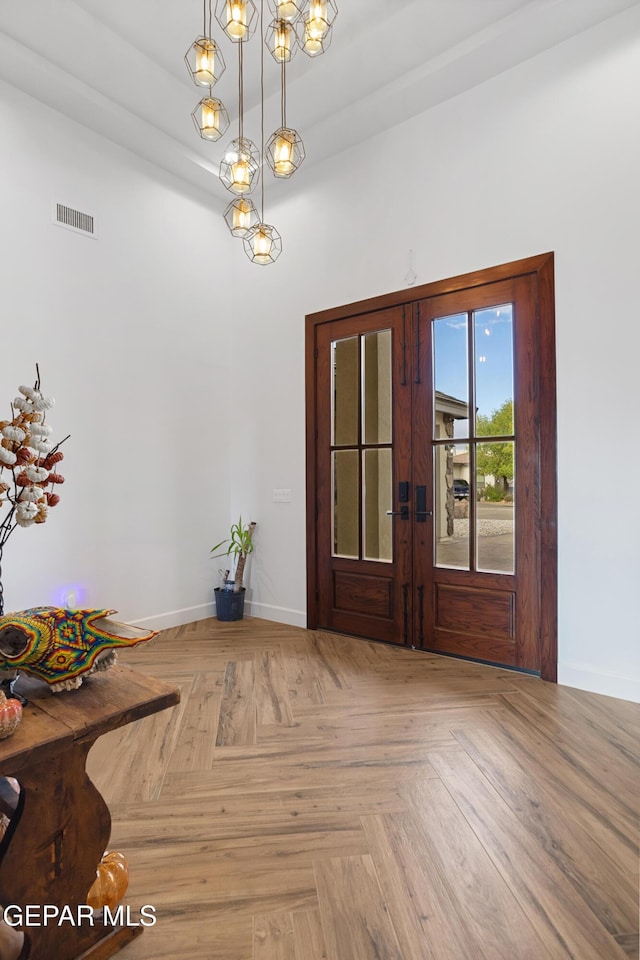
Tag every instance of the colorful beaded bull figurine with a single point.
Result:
(61, 646)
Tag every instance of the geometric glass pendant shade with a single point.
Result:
(237, 18)
(285, 152)
(240, 166)
(241, 216)
(210, 118)
(281, 40)
(315, 26)
(263, 244)
(205, 62)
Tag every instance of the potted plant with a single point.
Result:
(230, 596)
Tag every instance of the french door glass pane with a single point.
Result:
(362, 479)
(346, 503)
(376, 387)
(451, 377)
(495, 516)
(378, 498)
(451, 506)
(493, 365)
(345, 391)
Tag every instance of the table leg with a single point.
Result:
(49, 856)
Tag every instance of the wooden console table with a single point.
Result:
(62, 825)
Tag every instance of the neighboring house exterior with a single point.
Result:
(448, 410)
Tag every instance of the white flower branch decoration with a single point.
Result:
(28, 465)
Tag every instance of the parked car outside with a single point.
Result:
(461, 489)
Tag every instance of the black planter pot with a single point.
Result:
(229, 605)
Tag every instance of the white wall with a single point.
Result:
(543, 157)
(131, 332)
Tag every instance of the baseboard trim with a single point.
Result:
(607, 684)
(293, 618)
(176, 618)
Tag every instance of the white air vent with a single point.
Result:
(74, 220)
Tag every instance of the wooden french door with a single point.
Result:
(364, 448)
(431, 468)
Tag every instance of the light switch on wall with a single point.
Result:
(281, 496)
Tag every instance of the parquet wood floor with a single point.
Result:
(318, 797)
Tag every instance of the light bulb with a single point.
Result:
(210, 121)
(318, 10)
(317, 28)
(237, 19)
(211, 118)
(282, 153)
(285, 10)
(282, 41)
(262, 243)
(242, 215)
(240, 176)
(312, 47)
(205, 64)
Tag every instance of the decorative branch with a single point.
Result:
(28, 465)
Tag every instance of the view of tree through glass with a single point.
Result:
(473, 403)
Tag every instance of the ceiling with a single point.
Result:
(116, 66)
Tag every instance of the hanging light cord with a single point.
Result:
(240, 90)
(283, 94)
(262, 105)
(208, 34)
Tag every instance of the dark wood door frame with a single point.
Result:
(542, 267)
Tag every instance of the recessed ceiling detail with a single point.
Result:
(443, 49)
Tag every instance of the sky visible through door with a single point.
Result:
(493, 341)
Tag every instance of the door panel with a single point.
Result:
(477, 556)
(363, 453)
(428, 473)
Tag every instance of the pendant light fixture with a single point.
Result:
(315, 26)
(285, 149)
(240, 216)
(211, 118)
(204, 59)
(206, 65)
(240, 166)
(281, 40)
(237, 18)
(307, 24)
(263, 243)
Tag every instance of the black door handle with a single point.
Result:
(403, 513)
(421, 504)
(403, 499)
